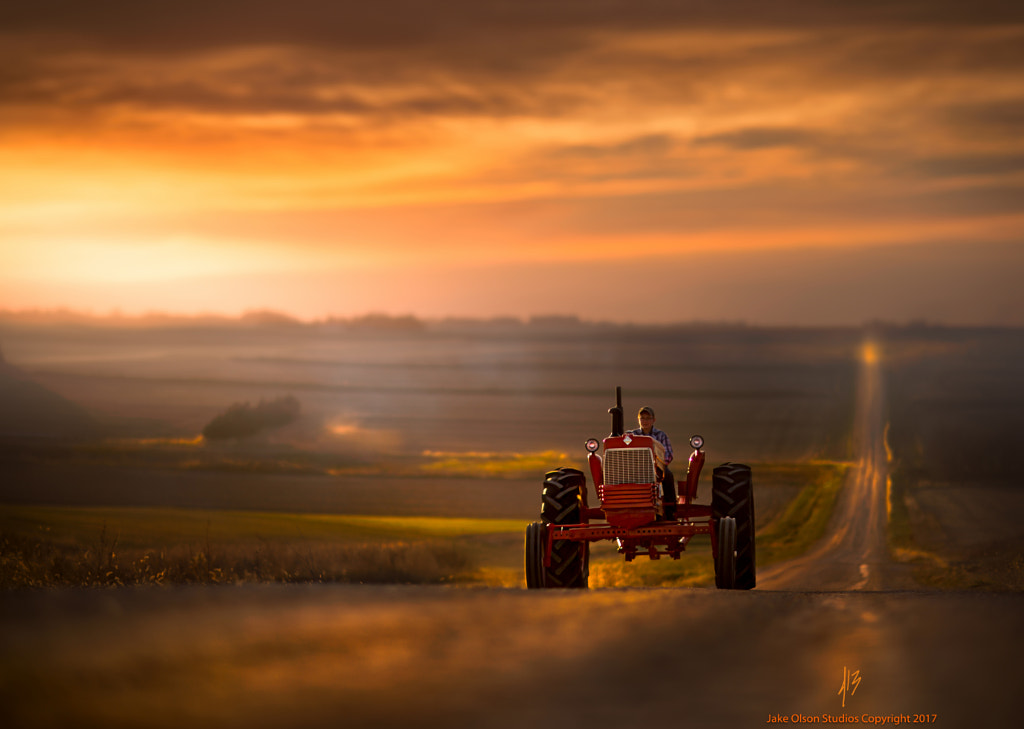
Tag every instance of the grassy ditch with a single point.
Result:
(805, 520)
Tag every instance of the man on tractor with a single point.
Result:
(668, 481)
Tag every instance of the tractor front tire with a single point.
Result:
(562, 497)
(732, 494)
(561, 503)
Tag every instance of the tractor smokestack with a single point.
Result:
(616, 413)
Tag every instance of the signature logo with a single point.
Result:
(851, 680)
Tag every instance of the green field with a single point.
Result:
(163, 527)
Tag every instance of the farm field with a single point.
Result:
(956, 418)
(459, 420)
(451, 421)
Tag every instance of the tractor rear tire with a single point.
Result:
(561, 503)
(732, 494)
(725, 559)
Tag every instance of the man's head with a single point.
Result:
(646, 419)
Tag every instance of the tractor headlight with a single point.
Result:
(697, 442)
(592, 445)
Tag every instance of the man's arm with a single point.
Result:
(659, 452)
(663, 437)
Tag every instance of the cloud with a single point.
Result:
(977, 165)
(648, 144)
(470, 58)
(192, 23)
(190, 137)
(1003, 117)
(762, 138)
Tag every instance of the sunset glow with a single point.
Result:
(312, 162)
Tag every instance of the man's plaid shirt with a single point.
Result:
(658, 435)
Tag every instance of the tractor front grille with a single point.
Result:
(626, 496)
(628, 465)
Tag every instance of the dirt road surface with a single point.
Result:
(853, 556)
(836, 637)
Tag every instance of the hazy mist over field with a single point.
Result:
(337, 405)
(383, 415)
(504, 387)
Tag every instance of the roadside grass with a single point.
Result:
(806, 519)
(64, 546)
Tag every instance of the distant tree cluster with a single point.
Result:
(384, 322)
(242, 419)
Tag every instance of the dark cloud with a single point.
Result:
(261, 99)
(363, 82)
(758, 206)
(648, 144)
(545, 59)
(971, 166)
(1000, 117)
(192, 24)
(875, 154)
(888, 55)
(763, 138)
(969, 201)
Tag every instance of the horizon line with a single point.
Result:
(268, 318)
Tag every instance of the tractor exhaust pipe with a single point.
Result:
(616, 413)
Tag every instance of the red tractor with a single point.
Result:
(634, 512)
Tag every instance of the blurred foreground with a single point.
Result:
(360, 656)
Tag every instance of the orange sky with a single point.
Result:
(646, 161)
